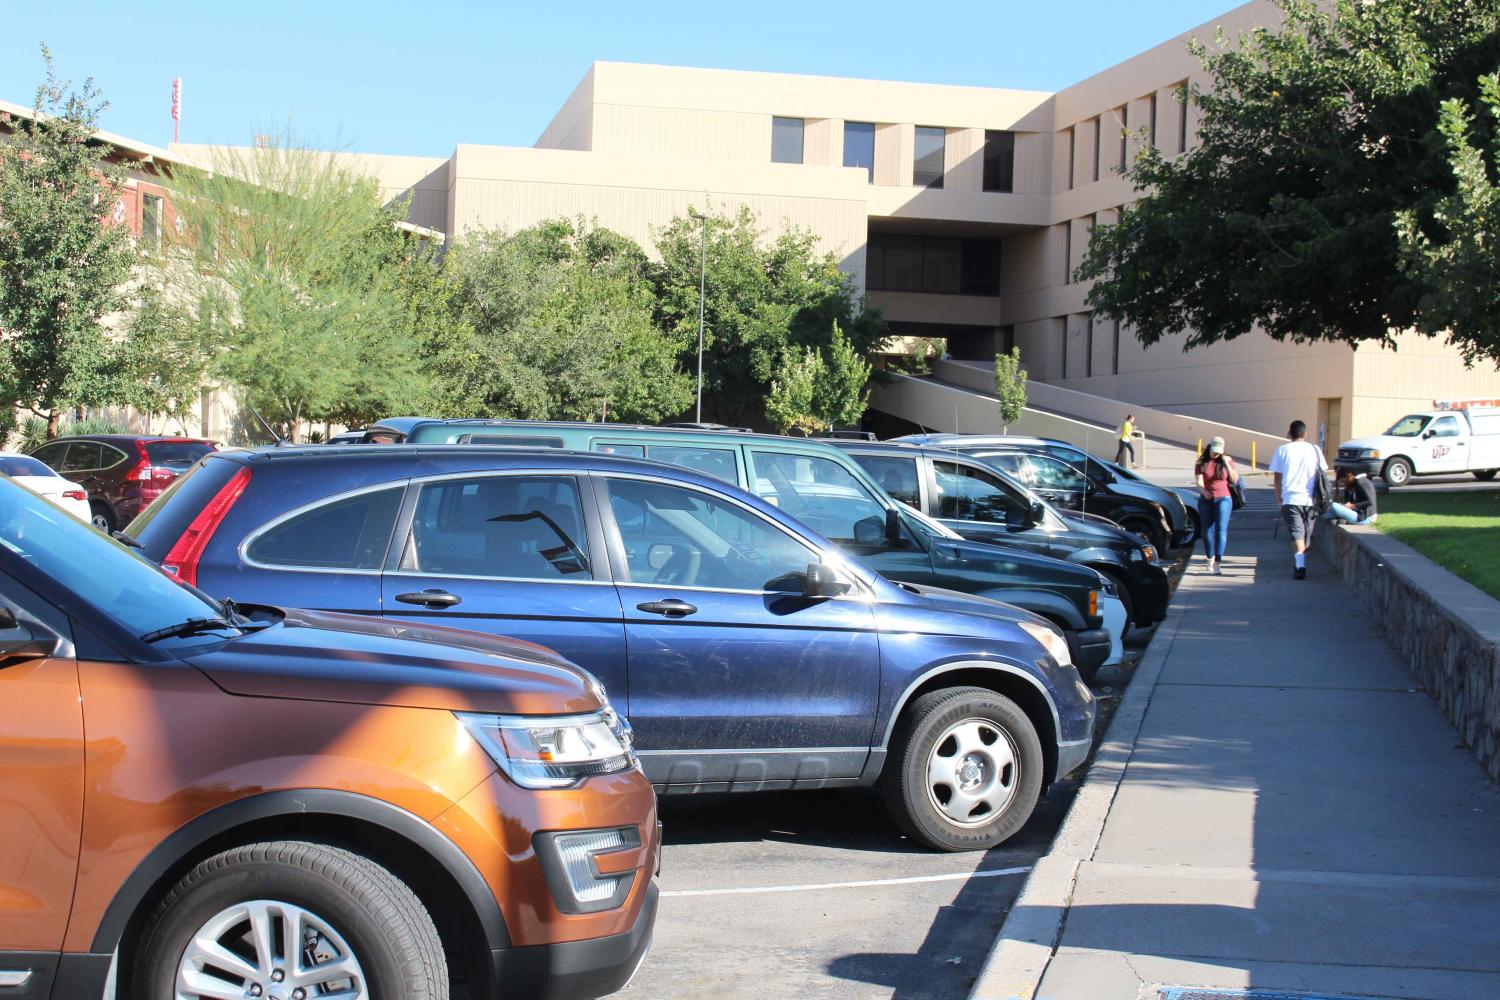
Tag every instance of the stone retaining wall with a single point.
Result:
(1447, 629)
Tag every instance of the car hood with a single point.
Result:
(1043, 569)
(1098, 531)
(324, 656)
(1168, 500)
(958, 603)
(1379, 441)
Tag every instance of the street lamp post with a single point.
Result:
(702, 272)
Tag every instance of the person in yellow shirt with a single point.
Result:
(1127, 442)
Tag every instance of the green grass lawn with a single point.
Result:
(1458, 531)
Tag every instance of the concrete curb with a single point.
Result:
(1029, 936)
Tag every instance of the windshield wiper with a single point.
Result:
(192, 626)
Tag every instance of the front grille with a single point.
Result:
(1348, 453)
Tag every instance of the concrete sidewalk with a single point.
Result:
(1276, 807)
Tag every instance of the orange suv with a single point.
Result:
(204, 801)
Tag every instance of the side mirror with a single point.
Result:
(26, 644)
(1427, 434)
(869, 531)
(7, 619)
(822, 581)
(892, 526)
(1037, 513)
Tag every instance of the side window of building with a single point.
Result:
(716, 462)
(351, 533)
(499, 527)
(786, 140)
(822, 494)
(859, 147)
(83, 456)
(151, 221)
(897, 476)
(927, 170)
(969, 494)
(679, 537)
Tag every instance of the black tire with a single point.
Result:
(1194, 526)
(1149, 533)
(1485, 475)
(1123, 593)
(1397, 473)
(103, 517)
(380, 919)
(924, 724)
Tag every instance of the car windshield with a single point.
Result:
(21, 465)
(138, 595)
(1409, 426)
(176, 454)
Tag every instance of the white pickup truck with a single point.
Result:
(1435, 442)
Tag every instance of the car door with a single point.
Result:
(41, 779)
(511, 554)
(1057, 482)
(1447, 441)
(735, 675)
(981, 506)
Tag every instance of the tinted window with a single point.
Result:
(1051, 473)
(82, 456)
(897, 476)
(786, 140)
(520, 440)
(822, 494)
(176, 454)
(352, 533)
(683, 538)
(51, 454)
(1445, 427)
(716, 462)
(110, 456)
(928, 169)
(162, 523)
(942, 265)
(968, 494)
(21, 465)
(859, 146)
(625, 450)
(999, 160)
(510, 527)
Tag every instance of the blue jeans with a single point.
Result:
(1213, 521)
(1338, 512)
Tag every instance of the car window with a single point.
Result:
(1408, 426)
(518, 440)
(627, 450)
(351, 533)
(897, 476)
(51, 454)
(679, 537)
(716, 462)
(502, 527)
(822, 494)
(1445, 427)
(24, 465)
(1051, 473)
(176, 454)
(82, 456)
(110, 456)
(969, 494)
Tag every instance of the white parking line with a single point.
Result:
(955, 877)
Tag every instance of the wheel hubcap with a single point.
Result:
(973, 773)
(101, 522)
(269, 950)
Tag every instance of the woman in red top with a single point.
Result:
(1214, 472)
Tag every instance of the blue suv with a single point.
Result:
(748, 651)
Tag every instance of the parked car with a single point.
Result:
(830, 493)
(1181, 518)
(44, 481)
(1434, 443)
(122, 473)
(748, 652)
(984, 504)
(391, 430)
(209, 801)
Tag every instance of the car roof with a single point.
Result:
(401, 425)
(727, 435)
(116, 438)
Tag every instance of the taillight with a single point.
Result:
(146, 473)
(182, 561)
(75, 495)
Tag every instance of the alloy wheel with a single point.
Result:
(269, 950)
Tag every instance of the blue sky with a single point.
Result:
(417, 77)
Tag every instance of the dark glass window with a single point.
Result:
(151, 215)
(1182, 115)
(716, 462)
(968, 494)
(786, 140)
(1153, 120)
(1067, 253)
(51, 454)
(352, 533)
(903, 263)
(936, 264)
(999, 160)
(1124, 134)
(503, 527)
(1098, 144)
(981, 267)
(84, 455)
(859, 146)
(23, 465)
(942, 265)
(1115, 365)
(1072, 154)
(822, 494)
(928, 168)
(897, 476)
(176, 454)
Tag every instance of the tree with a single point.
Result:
(819, 390)
(557, 324)
(1010, 386)
(62, 260)
(762, 298)
(1315, 140)
(162, 362)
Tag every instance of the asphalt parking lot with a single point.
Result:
(816, 894)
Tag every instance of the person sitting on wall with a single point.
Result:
(1358, 499)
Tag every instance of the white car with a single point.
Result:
(39, 478)
(1435, 442)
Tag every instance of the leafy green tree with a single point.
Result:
(843, 394)
(62, 263)
(1010, 386)
(762, 297)
(556, 322)
(1315, 140)
(162, 362)
(790, 403)
(819, 390)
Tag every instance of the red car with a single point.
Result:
(123, 473)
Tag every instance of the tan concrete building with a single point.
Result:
(961, 211)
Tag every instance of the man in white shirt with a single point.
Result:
(1297, 465)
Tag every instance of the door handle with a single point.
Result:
(432, 598)
(670, 608)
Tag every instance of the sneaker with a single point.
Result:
(1218, 570)
(1300, 573)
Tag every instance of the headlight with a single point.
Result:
(1143, 554)
(1369, 453)
(556, 751)
(1051, 640)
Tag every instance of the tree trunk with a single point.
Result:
(54, 417)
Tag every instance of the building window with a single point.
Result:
(1088, 357)
(1072, 153)
(786, 140)
(1067, 253)
(1182, 115)
(1115, 354)
(1098, 143)
(1124, 134)
(151, 215)
(1153, 121)
(999, 160)
(859, 147)
(927, 171)
(939, 265)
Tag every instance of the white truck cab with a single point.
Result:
(1455, 437)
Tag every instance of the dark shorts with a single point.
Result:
(1299, 521)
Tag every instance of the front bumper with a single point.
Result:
(576, 970)
(1371, 467)
(1150, 592)
(1072, 754)
(1089, 647)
